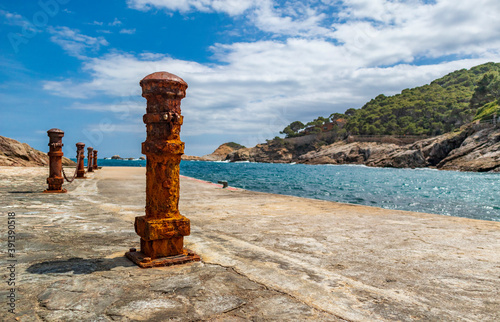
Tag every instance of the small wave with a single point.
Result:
(425, 169)
(349, 165)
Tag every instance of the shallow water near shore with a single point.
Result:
(452, 193)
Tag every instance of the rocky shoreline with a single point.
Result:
(15, 153)
(475, 147)
(472, 148)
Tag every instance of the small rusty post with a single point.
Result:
(94, 159)
(89, 159)
(55, 179)
(163, 228)
(80, 173)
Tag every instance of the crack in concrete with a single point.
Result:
(275, 290)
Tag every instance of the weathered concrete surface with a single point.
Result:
(264, 257)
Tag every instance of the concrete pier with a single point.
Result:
(264, 257)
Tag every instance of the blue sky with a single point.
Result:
(252, 66)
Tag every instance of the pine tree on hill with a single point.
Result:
(433, 109)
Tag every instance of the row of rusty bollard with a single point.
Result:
(163, 228)
(55, 179)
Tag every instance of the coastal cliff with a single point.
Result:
(219, 154)
(468, 149)
(15, 153)
(222, 151)
(425, 126)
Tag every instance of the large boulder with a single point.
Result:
(478, 152)
(222, 152)
(347, 153)
(15, 153)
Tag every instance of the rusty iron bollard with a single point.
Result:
(163, 228)
(80, 173)
(89, 159)
(55, 179)
(94, 159)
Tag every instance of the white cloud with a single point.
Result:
(322, 60)
(293, 19)
(111, 127)
(119, 106)
(73, 42)
(289, 18)
(405, 22)
(14, 19)
(231, 7)
(261, 87)
(387, 32)
(115, 22)
(127, 31)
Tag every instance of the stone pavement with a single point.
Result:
(264, 257)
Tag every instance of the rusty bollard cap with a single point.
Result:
(55, 131)
(163, 76)
(164, 82)
(90, 148)
(80, 145)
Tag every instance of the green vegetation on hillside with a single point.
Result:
(486, 97)
(293, 129)
(439, 107)
(487, 111)
(234, 145)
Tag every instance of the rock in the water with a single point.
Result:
(15, 153)
(221, 152)
(116, 157)
(191, 158)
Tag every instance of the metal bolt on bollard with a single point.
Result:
(55, 179)
(90, 166)
(80, 172)
(163, 228)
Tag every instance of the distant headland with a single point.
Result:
(451, 123)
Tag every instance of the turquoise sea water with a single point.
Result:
(462, 194)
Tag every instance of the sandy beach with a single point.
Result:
(264, 257)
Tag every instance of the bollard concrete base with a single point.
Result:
(143, 261)
(55, 185)
(55, 191)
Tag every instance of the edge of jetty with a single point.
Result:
(264, 256)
